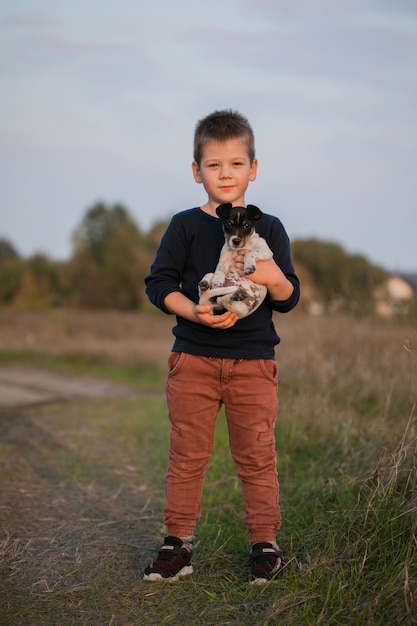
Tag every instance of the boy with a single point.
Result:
(218, 359)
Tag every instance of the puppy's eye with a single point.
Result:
(229, 224)
(246, 226)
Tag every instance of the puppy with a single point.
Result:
(224, 289)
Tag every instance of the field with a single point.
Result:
(82, 481)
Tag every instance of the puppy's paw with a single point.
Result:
(249, 269)
(240, 294)
(203, 285)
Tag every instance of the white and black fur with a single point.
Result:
(224, 289)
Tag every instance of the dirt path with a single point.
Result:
(79, 508)
(23, 386)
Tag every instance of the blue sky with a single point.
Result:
(100, 99)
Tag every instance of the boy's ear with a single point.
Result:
(253, 212)
(196, 172)
(223, 210)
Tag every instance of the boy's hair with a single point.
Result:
(221, 126)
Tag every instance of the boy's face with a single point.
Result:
(225, 171)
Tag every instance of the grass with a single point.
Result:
(82, 494)
(149, 375)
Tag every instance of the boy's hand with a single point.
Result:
(262, 274)
(179, 304)
(269, 274)
(204, 316)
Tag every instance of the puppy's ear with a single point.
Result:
(223, 210)
(253, 212)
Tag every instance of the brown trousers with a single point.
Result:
(195, 390)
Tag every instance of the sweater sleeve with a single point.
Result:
(279, 243)
(166, 271)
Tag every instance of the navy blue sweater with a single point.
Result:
(189, 249)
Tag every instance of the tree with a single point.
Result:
(7, 251)
(11, 271)
(341, 281)
(154, 236)
(41, 285)
(110, 260)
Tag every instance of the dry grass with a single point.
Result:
(324, 348)
(121, 337)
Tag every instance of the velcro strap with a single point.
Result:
(265, 551)
(167, 548)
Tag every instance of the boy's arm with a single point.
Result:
(270, 274)
(178, 304)
(283, 293)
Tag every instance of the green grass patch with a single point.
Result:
(147, 375)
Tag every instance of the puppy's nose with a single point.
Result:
(236, 241)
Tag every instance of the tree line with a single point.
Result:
(111, 256)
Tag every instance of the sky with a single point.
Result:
(99, 101)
